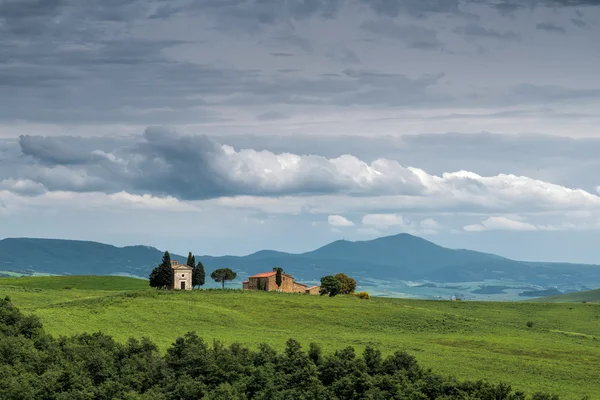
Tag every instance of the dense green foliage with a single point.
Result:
(347, 284)
(198, 275)
(191, 260)
(560, 353)
(278, 279)
(161, 277)
(94, 366)
(330, 286)
(223, 275)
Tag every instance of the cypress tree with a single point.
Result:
(198, 275)
(278, 278)
(191, 260)
(162, 276)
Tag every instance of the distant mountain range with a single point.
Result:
(399, 257)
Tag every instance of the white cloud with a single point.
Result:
(430, 223)
(95, 200)
(339, 221)
(196, 168)
(379, 222)
(22, 186)
(429, 226)
(500, 223)
(384, 220)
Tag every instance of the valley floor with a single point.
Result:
(558, 353)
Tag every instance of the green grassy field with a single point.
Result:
(560, 353)
(588, 296)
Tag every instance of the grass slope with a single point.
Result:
(587, 296)
(470, 340)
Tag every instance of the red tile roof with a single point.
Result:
(264, 275)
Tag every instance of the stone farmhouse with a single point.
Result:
(182, 276)
(266, 281)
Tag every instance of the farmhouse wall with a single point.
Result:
(267, 281)
(313, 290)
(299, 288)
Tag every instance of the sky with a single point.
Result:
(230, 126)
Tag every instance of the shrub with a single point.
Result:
(363, 295)
(530, 324)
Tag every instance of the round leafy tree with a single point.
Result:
(223, 275)
(330, 286)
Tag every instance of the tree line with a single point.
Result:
(35, 365)
(161, 277)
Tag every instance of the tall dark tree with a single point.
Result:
(330, 286)
(191, 260)
(278, 278)
(198, 275)
(222, 275)
(348, 285)
(161, 277)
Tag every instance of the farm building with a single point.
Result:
(266, 281)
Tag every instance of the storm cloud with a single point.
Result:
(281, 118)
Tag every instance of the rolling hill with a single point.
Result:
(557, 352)
(399, 257)
(587, 296)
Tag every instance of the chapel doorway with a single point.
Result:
(182, 285)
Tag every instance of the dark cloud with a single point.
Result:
(413, 36)
(196, 167)
(91, 62)
(344, 55)
(423, 9)
(415, 8)
(566, 3)
(550, 27)
(287, 39)
(578, 22)
(271, 116)
(250, 15)
(528, 93)
(29, 17)
(511, 6)
(478, 31)
(66, 150)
